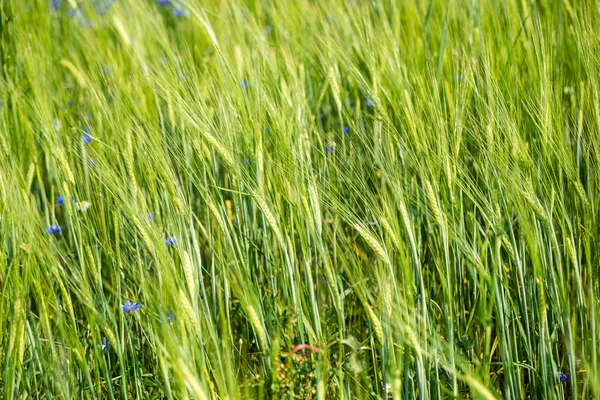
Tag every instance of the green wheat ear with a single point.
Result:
(299, 200)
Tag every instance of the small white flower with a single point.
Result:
(83, 205)
(388, 388)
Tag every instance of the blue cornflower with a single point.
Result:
(179, 13)
(86, 138)
(170, 241)
(325, 283)
(562, 377)
(244, 84)
(54, 230)
(150, 217)
(169, 318)
(163, 3)
(105, 344)
(131, 306)
(269, 29)
(60, 200)
(247, 162)
(369, 103)
(55, 4)
(346, 130)
(74, 12)
(86, 23)
(268, 129)
(329, 149)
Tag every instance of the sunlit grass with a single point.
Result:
(299, 199)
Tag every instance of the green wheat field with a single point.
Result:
(299, 199)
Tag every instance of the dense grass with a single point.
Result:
(410, 188)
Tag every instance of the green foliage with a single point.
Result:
(443, 245)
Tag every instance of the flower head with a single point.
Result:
(86, 138)
(329, 149)
(105, 344)
(74, 12)
(304, 346)
(562, 377)
(54, 230)
(83, 205)
(179, 13)
(346, 130)
(388, 388)
(369, 103)
(168, 318)
(163, 3)
(150, 217)
(60, 200)
(244, 84)
(268, 129)
(170, 241)
(131, 306)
